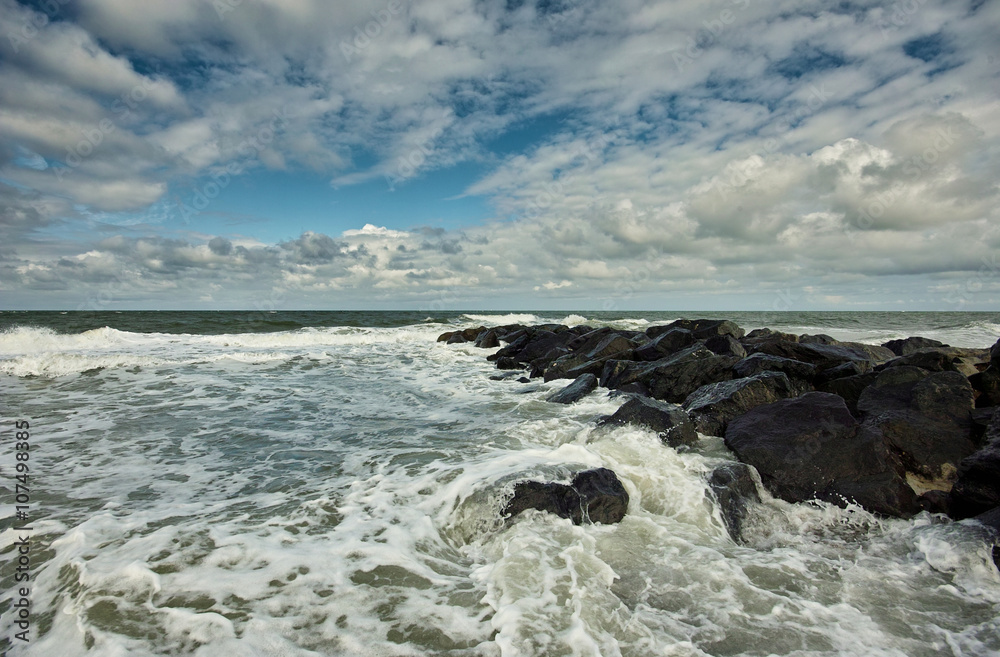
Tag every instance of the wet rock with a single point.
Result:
(991, 519)
(672, 378)
(977, 486)
(595, 496)
(458, 337)
(824, 356)
(664, 344)
(943, 359)
(909, 345)
(760, 362)
(712, 406)
(488, 339)
(590, 355)
(725, 345)
(924, 417)
(762, 335)
(811, 447)
(580, 388)
(849, 369)
(850, 388)
(702, 329)
(669, 421)
(735, 491)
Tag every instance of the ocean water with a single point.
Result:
(330, 483)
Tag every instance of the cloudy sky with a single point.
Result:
(564, 154)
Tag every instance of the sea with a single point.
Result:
(331, 483)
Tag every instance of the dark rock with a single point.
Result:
(524, 379)
(987, 385)
(943, 359)
(935, 501)
(924, 417)
(761, 335)
(591, 353)
(580, 388)
(977, 487)
(819, 338)
(665, 344)
(712, 406)
(983, 421)
(517, 341)
(849, 369)
(735, 492)
(910, 345)
(702, 329)
(812, 447)
(759, 362)
(850, 388)
(593, 496)
(672, 378)
(465, 335)
(669, 421)
(488, 339)
(824, 356)
(726, 345)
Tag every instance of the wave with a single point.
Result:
(500, 320)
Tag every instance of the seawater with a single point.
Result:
(330, 484)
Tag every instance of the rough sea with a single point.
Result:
(330, 483)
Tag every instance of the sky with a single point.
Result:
(500, 154)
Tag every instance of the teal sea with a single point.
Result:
(329, 483)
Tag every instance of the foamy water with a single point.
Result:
(336, 491)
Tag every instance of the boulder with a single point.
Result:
(672, 378)
(761, 335)
(850, 388)
(725, 345)
(465, 335)
(924, 417)
(712, 406)
(811, 447)
(590, 354)
(669, 421)
(977, 486)
(987, 385)
(595, 496)
(580, 388)
(909, 345)
(824, 356)
(702, 329)
(760, 362)
(735, 491)
(818, 338)
(849, 369)
(943, 359)
(664, 344)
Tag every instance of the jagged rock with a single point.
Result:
(850, 388)
(824, 356)
(812, 447)
(580, 388)
(761, 335)
(591, 354)
(991, 519)
(672, 378)
(593, 496)
(664, 344)
(977, 486)
(943, 359)
(726, 345)
(488, 339)
(924, 417)
(759, 362)
(852, 368)
(818, 338)
(702, 329)
(712, 406)
(465, 335)
(735, 491)
(669, 421)
(909, 345)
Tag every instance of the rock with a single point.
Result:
(590, 354)
(849, 369)
(824, 356)
(534, 344)
(488, 339)
(712, 406)
(702, 329)
(987, 385)
(850, 388)
(593, 496)
(672, 378)
(761, 335)
(735, 491)
(811, 447)
(669, 421)
(760, 362)
(910, 345)
(935, 501)
(943, 359)
(665, 344)
(991, 519)
(580, 388)
(977, 486)
(465, 335)
(925, 419)
(725, 345)
(819, 338)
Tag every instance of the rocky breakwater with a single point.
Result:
(897, 428)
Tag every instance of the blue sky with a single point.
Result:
(497, 154)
